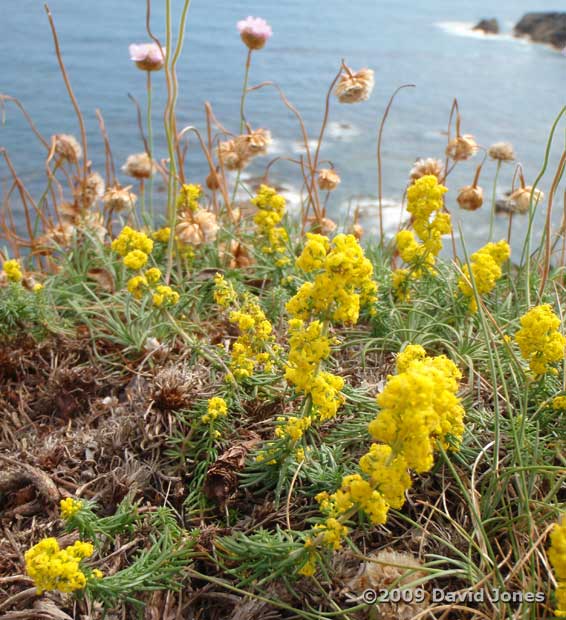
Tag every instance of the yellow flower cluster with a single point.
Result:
(419, 406)
(271, 209)
(224, 293)
(293, 427)
(13, 270)
(486, 270)
(69, 507)
(308, 347)
(342, 283)
(251, 349)
(255, 346)
(135, 260)
(540, 342)
(559, 403)
(162, 235)
(135, 247)
(52, 568)
(188, 197)
(424, 203)
(164, 296)
(216, 408)
(557, 557)
(400, 280)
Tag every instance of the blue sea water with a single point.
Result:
(508, 89)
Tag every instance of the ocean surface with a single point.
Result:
(507, 89)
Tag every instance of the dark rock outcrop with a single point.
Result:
(547, 28)
(487, 26)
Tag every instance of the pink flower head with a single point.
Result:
(147, 56)
(254, 32)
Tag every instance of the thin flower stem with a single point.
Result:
(150, 149)
(493, 194)
(243, 113)
(69, 88)
(379, 171)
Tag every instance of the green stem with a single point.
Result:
(526, 255)
(150, 149)
(242, 113)
(492, 215)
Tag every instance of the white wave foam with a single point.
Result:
(342, 131)
(464, 29)
(299, 146)
(393, 213)
(276, 148)
(293, 197)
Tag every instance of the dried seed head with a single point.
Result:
(519, 201)
(196, 228)
(354, 87)
(90, 190)
(385, 569)
(172, 388)
(139, 166)
(258, 141)
(207, 223)
(237, 153)
(69, 212)
(470, 197)
(236, 254)
(461, 148)
(55, 237)
(119, 198)
(501, 151)
(357, 230)
(212, 180)
(188, 232)
(94, 222)
(234, 154)
(425, 167)
(323, 226)
(328, 179)
(67, 147)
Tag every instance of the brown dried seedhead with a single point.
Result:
(383, 570)
(172, 388)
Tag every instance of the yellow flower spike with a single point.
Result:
(165, 296)
(153, 275)
(162, 235)
(189, 196)
(557, 557)
(424, 203)
(69, 507)
(540, 342)
(216, 408)
(270, 211)
(135, 260)
(224, 293)
(486, 270)
(129, 240)
(52, 568)
(13, 270)
(136, 286)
